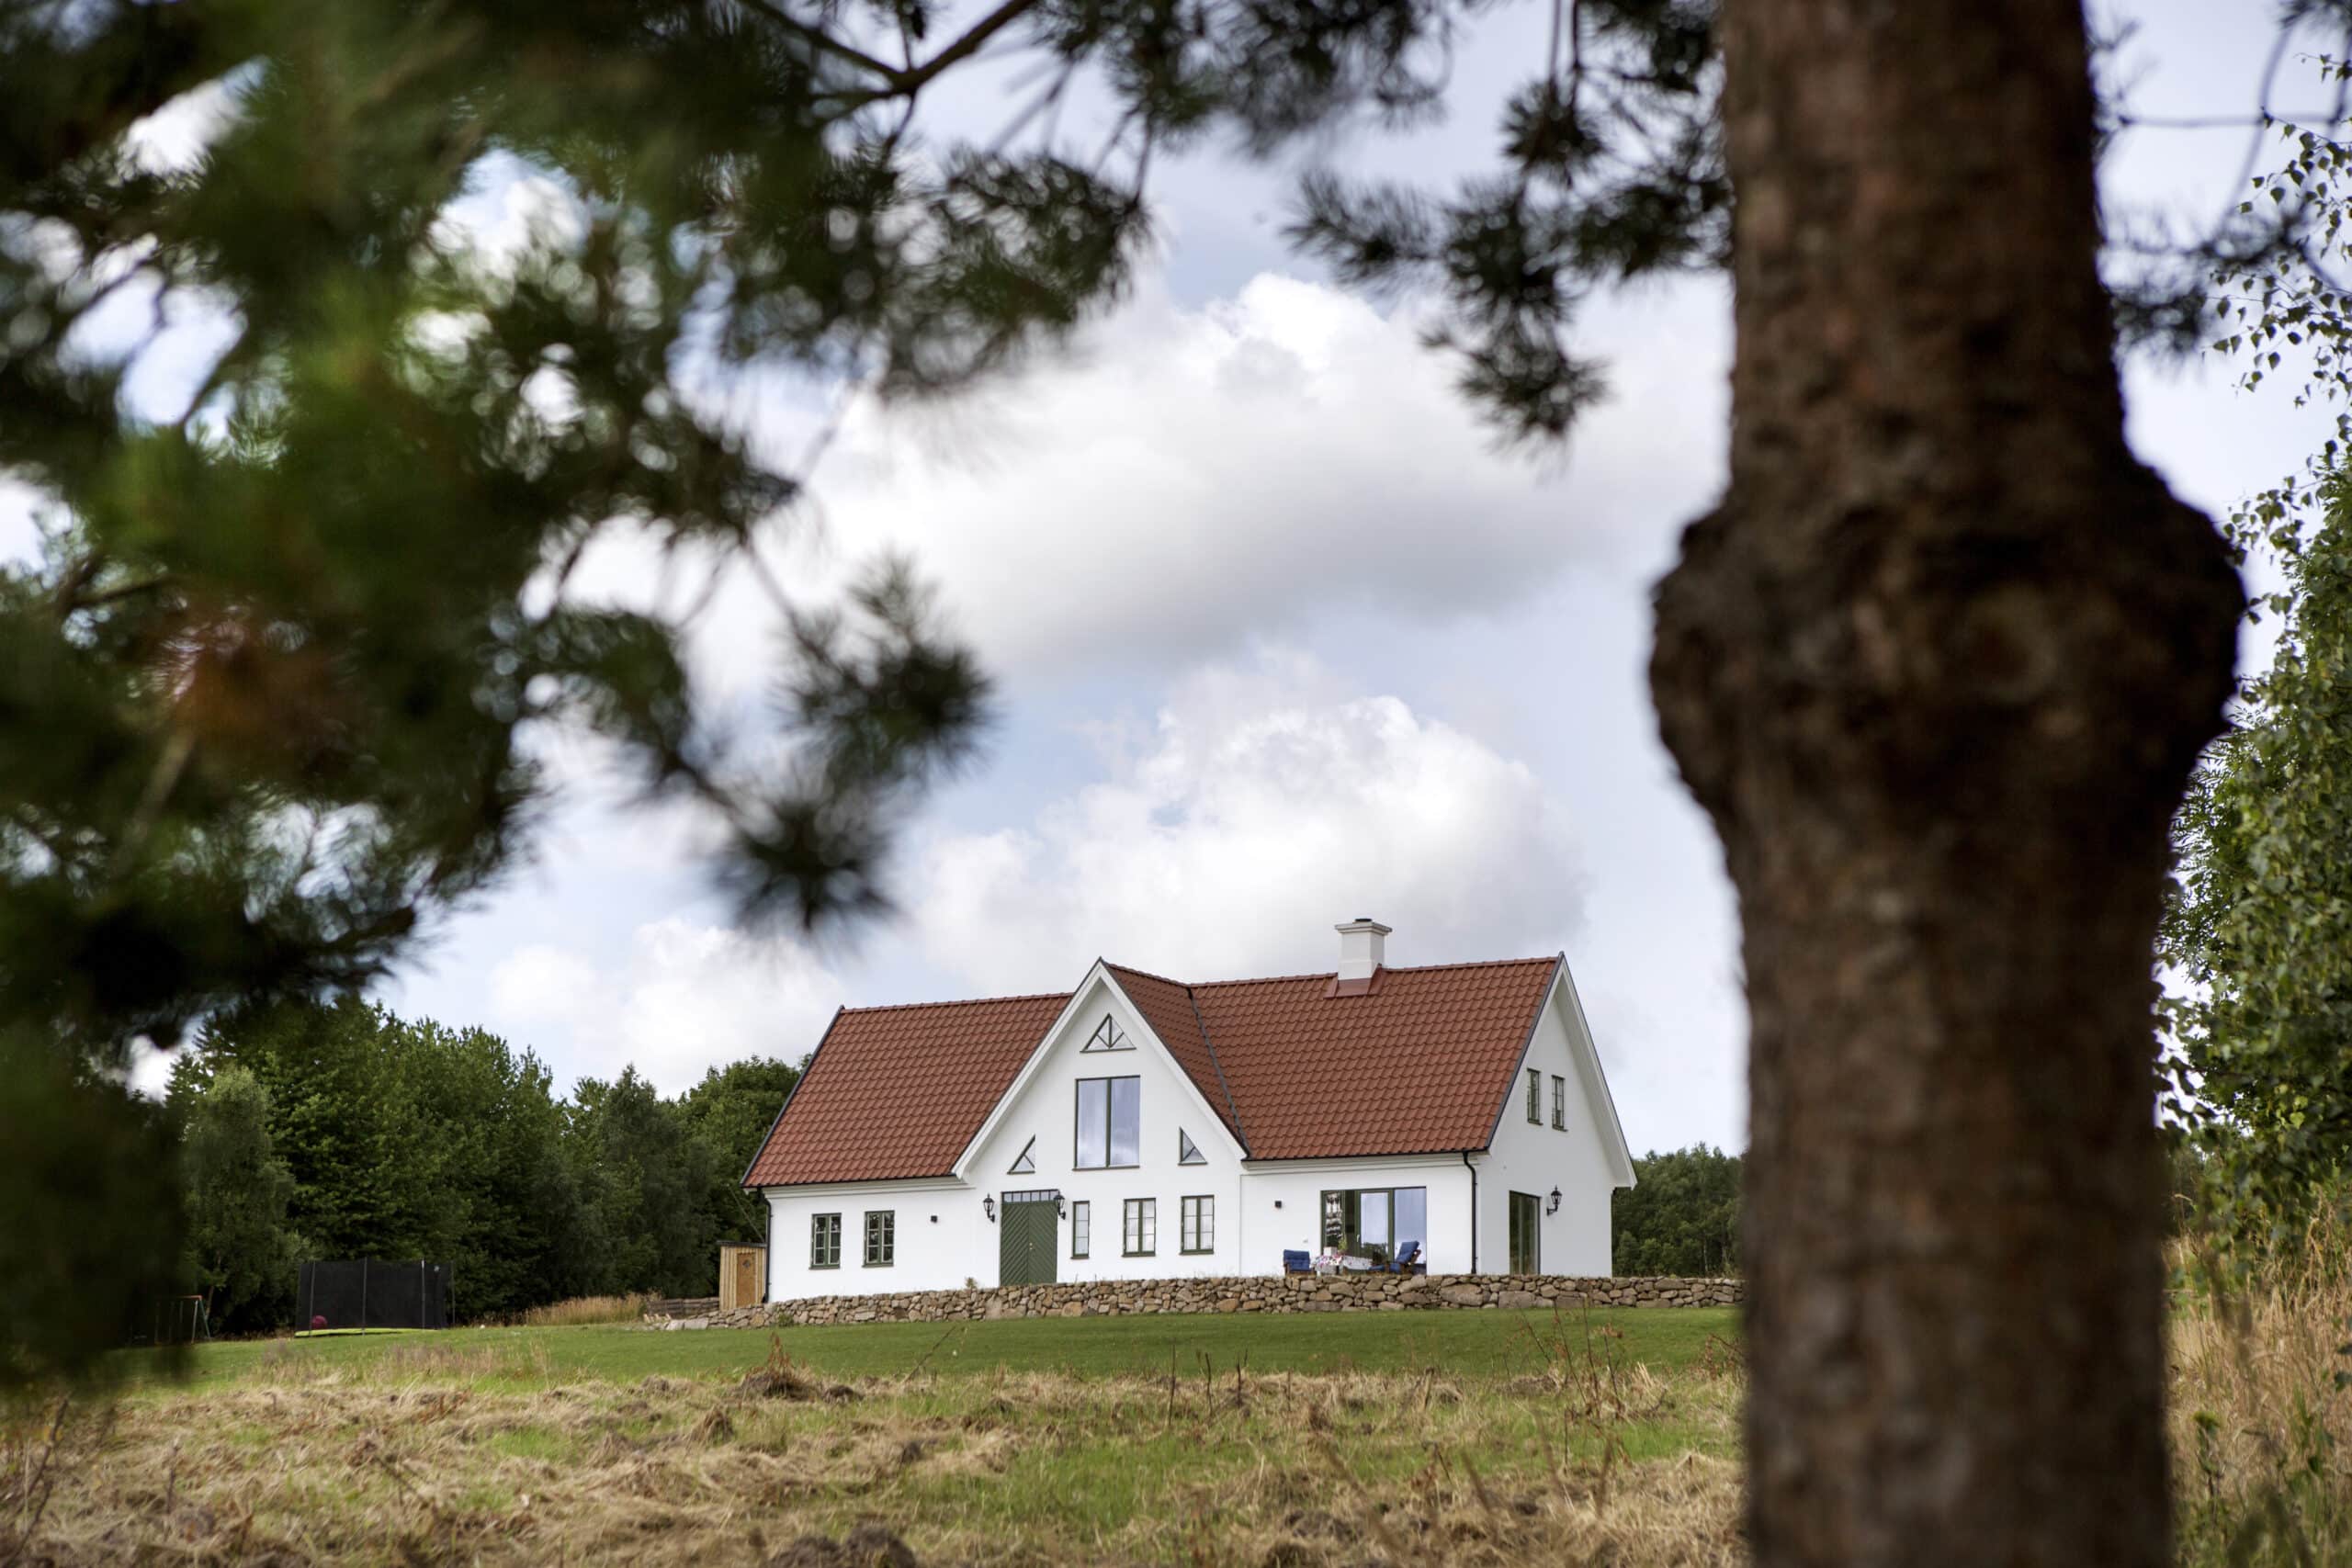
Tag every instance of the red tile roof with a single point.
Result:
(876, 1103)
(1421, 1061)
(1167, 1006)
(1419, 1064)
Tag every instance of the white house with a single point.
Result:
(1138, 1127)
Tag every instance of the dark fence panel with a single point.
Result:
(367, 1293)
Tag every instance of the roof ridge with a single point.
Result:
(1147, 974)
(963, 1002)
(1391, 968)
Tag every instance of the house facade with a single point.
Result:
(1138, 1127)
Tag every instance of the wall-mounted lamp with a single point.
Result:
(1555, 1202)
(1061, 1209)
(1278, 1202)
(934, 1218)
(987, 1207)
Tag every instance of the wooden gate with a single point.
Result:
(1028, 1246)
(743, 1276)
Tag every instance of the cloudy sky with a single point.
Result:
(1280, 640)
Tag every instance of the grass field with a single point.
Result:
(1461, 1343)
(1442, 1437)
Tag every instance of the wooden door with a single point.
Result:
(1027, 1243)
(748, 1262)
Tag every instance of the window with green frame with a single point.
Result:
(1559, 1102)
(1534, 1097)
(1376, 1222)
(1196, 1224)
(1141, 1235)
(825, 1241)
(1082, 1228)
(881, 1238)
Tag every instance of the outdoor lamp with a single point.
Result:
(987, 1207)
(1555, 1202)
(1061, 1209)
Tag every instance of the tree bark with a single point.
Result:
(1937, 666)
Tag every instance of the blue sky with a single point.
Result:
(1280, 640)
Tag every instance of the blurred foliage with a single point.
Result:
(1680, 1217)
(85, 1167)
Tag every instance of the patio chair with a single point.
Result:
(1297, 1262)
(1403, 1262)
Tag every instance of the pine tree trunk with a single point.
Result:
(1937, 666)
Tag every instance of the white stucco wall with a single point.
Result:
(1045, 1107)
(938, 1239)
(1535, 1158)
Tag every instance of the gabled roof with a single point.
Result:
(1420, 1061)
(896, 1091)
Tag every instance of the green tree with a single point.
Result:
(1681, 1216)
(649, 1179)
(237, 1187)
(731, 1111)
(2259, 928)
(411, 1140)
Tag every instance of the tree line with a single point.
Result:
(1680, 1217)
(341, 1130)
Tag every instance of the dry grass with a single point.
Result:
(2261, 1409)
(580, 1312)
(408, 1461)
(484, 1452)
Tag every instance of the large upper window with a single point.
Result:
(1110, 1122)
(1377, 1223)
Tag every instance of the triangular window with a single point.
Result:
(1187, 1151)
(1108, 1036)
(1028, 1161)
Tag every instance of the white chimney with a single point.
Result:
(1361, 948)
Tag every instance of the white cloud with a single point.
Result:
(1188, 481)
(1262, 807)
(689, 997)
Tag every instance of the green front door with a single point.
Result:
(1526, 1257)
(1026, 1248)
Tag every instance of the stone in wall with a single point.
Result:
(1281, 1293)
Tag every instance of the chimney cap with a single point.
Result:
(1363, 923)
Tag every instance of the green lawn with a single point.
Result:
(1473, 1344)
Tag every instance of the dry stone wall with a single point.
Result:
(1288, 1292)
